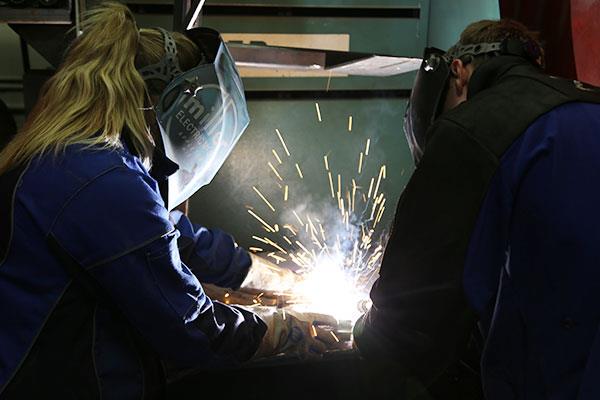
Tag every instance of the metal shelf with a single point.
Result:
(38, 15)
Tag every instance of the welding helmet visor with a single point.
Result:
(201, 113)
(426, 99)
(431, 83)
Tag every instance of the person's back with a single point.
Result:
(531, 270)
(95, 297)
(499, 222)
(540, 221)
(68, 325)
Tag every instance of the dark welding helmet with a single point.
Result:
(201, 113)
(431, 84)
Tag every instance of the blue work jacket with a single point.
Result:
(532, 272)
(103, 212)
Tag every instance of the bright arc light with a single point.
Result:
(326, 288)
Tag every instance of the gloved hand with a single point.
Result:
(264, 275)
(305, 335)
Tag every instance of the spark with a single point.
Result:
(302, 246)
(380, 214)
(299, 171)
(260, 239)
(275, 171)
(381, 172)
(283, 313)
(276, 156)
(227, 295)
(383, 202)
(296, 261)
(313, 331)
(276, 257)
(262, 221)
(360, 163)
(374, 259)
(255, 249)
(275, 245)
(353, 193)
(334, 336)
(282, 142)
(312, 226)
(298, 218)
(331, 184)
(371, 188)
(373, 210)
(264, 199)
(291, 229)
(349, 198)
(336, 264)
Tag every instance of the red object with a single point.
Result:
(552, 19)
(585, 23)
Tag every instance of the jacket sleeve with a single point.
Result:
(419, 316)
(117, 228)
(211, 254)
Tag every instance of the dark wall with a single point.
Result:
(552, 19)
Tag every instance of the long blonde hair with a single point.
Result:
(97, 91)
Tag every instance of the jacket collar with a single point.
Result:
(492, 71)
(162, 166)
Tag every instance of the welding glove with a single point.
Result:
(264, 275)
(303, 335)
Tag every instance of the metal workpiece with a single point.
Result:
(336, 62)
(187, 13)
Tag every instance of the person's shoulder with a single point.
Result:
(119, 202)
(496, 116)
(102, 175)
(78, 165)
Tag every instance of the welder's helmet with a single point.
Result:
(431, 84)
(201, 112)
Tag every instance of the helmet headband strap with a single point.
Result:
(168, 67)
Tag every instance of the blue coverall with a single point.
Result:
(104, 210)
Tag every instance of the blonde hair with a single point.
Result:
(97, 94)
